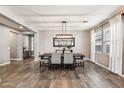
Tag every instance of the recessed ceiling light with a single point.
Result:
(85, 21)
(21, 27)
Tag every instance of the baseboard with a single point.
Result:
(4, 63)
(107, 69)
(18, 59)
(102, 66)
(122, 76)
(92, 61)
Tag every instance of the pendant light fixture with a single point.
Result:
(64, 39)
(64, 31)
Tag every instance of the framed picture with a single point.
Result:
(63, 42)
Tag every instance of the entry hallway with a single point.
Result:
(27, 74)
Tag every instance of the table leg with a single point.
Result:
(83, 64)
(40, 64)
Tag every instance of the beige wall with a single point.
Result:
(82, 41)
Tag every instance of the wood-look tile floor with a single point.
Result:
(27, 74)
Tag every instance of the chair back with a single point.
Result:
(56, 58)
(59, 51)
(66, 51)
(68, 58)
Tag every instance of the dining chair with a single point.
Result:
(56, 60)
(67, 51)
(59, 51)
(80, 61)
(44, 63)
(68, 59)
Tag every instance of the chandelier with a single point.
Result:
(64, 31)
(63, 39)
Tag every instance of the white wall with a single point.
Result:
(4, 45)
(5, 37)
(82, 41)
(14, 45)
(36, 46)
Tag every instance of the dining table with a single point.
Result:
(75, 56)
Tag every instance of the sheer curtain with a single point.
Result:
(116, 45)
(92, 46)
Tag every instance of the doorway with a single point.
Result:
(14, 45)
(28, 46)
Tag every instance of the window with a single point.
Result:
(107, 34)
(106, 47)
(103, 39)
(98, 48)
(98, 41)
(98, 36)
(106, 40)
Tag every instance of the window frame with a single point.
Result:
(104, 41)
(98, 42)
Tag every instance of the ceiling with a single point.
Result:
(49, 17)
(12, 24)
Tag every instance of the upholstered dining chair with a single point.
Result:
(67, 51)
(80, 62)
(68, 59)
(44, 63)
(56, 60)
(59, 51)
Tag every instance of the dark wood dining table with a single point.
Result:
(48, 56)
(76, 55)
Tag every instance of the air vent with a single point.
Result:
(85, 21)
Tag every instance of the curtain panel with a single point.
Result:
(92, 46)
(116, 45)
